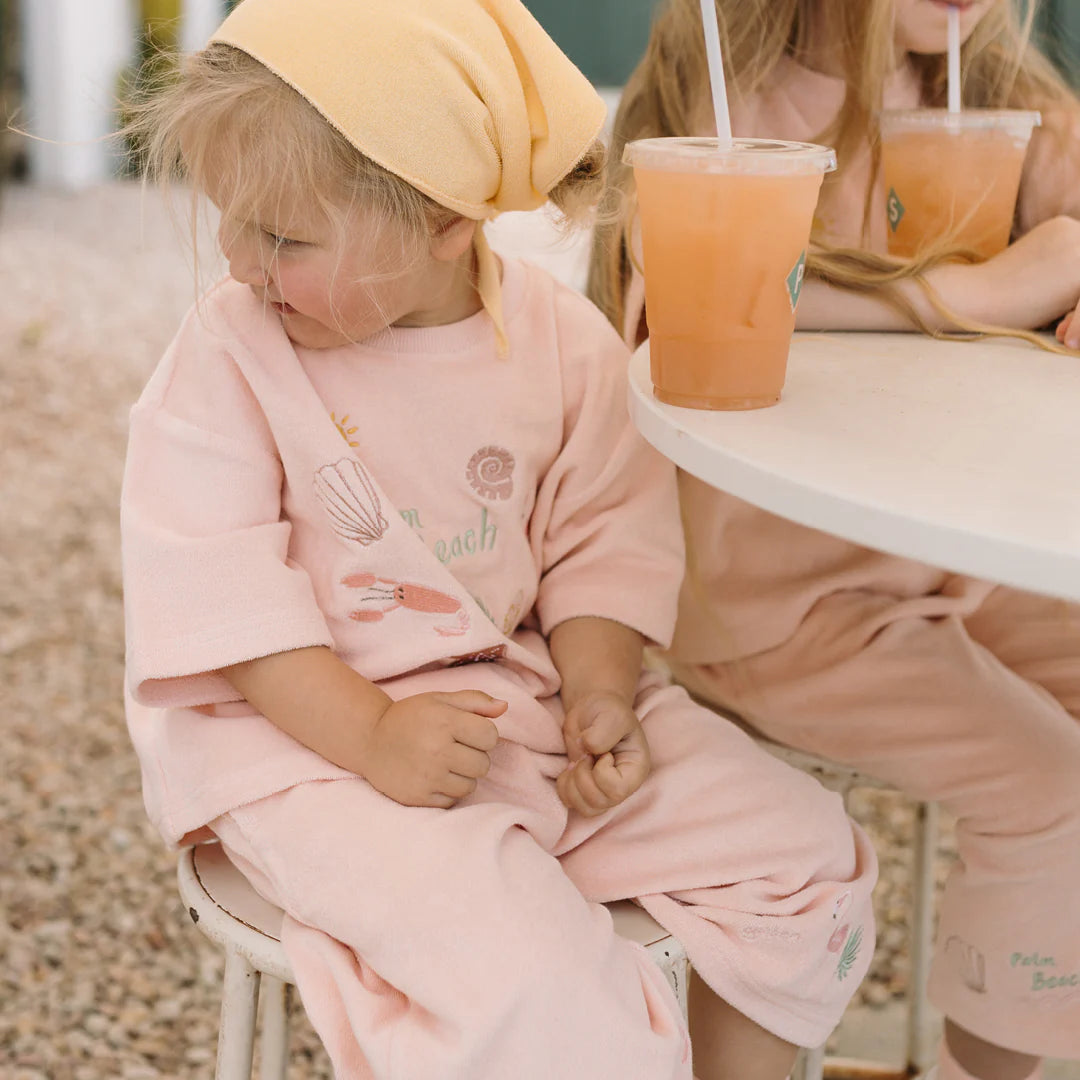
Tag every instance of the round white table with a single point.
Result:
(965, 455)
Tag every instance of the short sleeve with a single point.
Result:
(612, 539)
(1050, 185)
(207, 577)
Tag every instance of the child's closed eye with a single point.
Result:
(281, 241)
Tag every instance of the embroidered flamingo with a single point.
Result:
(382, 595)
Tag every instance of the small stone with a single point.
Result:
(96, 1024)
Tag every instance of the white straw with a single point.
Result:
(954, 59)
(716, 72)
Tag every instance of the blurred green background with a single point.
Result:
(605, 37)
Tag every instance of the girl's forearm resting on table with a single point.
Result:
(316, 698)
(829, 307)
(1028, 285)
(595, 655)
(965, 290)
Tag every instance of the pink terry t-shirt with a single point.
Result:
(411, 501)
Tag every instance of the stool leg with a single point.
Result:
(670, 957)
(810, 1064)
(274, 1040)
(236, 1036)
(922, 935)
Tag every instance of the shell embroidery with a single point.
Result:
(513, 615)
(490, 472)
(351, 502)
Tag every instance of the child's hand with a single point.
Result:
(430, 749)
(608, 751)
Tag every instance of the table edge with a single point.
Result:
(990, 558)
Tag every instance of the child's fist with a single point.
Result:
(608, 751)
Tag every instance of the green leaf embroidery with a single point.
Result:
(848, 956)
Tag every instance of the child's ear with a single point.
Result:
(452, 238)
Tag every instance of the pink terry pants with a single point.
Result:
(970, 697)
(471, 944)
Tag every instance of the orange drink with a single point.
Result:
(724, 235)
(952, 178)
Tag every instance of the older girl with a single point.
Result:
(947, 687)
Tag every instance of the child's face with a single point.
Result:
(922, 25)
(332, 283)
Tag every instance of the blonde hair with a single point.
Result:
(235, 131)
(668, 93)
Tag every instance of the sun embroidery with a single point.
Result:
(344, 431)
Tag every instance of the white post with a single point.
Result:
(74, 53)
(198, 20)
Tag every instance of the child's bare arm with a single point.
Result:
(425, 750)
(1033, 282)
(596, 655)
(600, 664)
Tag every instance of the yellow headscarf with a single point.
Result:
(469, 101)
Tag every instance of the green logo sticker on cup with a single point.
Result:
(795, 280)
(895, 209)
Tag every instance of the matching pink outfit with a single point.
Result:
(949, 688)
(431, 512)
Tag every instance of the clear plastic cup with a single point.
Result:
(952, 178)
(724, 234)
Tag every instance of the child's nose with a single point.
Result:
(245, 264)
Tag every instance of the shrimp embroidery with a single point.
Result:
(379, 596)
(351, 502)
(970, 963)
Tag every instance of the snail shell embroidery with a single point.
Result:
(490, 472)
(350, 501)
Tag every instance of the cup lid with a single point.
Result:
(1019, 122)
(752, 157)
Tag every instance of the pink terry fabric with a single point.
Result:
(410, 501)
(968, 695)
(949, 688)
(470, 943)
(421, 506)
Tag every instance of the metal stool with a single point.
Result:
(813, 1064)
(233, 916)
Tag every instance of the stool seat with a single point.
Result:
(225, 907)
